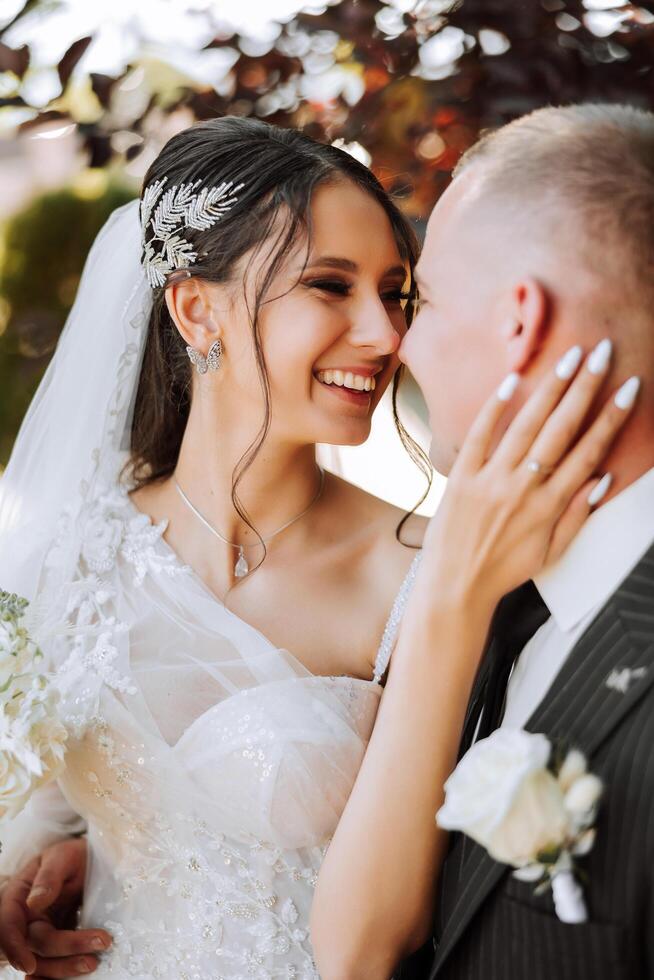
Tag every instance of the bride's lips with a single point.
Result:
(362, 398)
(352, 396)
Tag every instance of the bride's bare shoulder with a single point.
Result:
(152, 499)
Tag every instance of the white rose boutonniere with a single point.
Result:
(529, 811)
(32, 738)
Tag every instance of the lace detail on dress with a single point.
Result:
(112, 529)
(181, 898)
(94, 636)
(232, 911)
(392, 626)
(100, 660)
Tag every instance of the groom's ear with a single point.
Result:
(526, 328)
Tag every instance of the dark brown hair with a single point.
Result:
(279, 169)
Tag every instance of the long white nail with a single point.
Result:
(506, 390)
(598, 361)
(600, 491)
(569, 363)
(626, 396)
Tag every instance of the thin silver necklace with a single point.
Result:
(242, 567)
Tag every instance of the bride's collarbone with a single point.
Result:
(326, 600)
(328, 608)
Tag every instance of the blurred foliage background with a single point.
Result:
(91, 89)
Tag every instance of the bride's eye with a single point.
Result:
(335, 286)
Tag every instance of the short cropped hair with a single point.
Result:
(590, 164)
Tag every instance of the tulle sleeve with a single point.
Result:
(47, 818)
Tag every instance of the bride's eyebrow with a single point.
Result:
(347, 265)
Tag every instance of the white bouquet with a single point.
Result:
(529, 808)
(32, 738)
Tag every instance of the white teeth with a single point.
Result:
(347, 379)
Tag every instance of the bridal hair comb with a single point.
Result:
(164, 215)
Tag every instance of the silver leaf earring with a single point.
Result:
(209, 363)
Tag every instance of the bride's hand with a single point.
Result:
(507, 514)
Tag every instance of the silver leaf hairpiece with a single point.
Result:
(180, 207)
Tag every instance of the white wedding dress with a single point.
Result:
(208, 767)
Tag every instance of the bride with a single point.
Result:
(220, 613)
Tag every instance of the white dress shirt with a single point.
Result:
(606, 549)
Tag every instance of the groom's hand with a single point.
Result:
(38, 909)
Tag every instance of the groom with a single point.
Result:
(544, 239)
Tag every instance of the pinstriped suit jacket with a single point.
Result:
(489, 926)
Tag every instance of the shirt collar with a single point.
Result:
(607, 548)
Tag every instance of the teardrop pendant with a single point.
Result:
(241, 568)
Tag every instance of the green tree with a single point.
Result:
(43, 252)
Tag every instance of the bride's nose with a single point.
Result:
(374, 328)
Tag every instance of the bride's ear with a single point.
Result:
(526, 328)
(192, 308)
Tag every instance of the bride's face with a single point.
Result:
(329, 332)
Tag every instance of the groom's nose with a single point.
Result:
(404, 350)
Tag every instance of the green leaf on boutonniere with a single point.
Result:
(549, 855)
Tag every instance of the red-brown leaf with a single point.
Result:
(67, 64)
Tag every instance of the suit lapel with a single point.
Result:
(606, 674)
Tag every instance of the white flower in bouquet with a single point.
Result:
(525, 811)
(32, 738)
(17, 653)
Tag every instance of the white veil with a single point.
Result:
(75, 435)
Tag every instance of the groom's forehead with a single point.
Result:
(442, 224)
(457, 212)
(464, 192)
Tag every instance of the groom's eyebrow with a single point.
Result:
(347, 265)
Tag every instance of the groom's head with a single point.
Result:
(544, 239)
